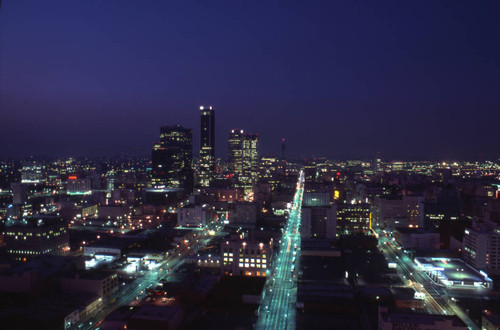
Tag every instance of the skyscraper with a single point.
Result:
(172, 157)
(207, 146)
(235, 151)
(243, 157)
(250, 161)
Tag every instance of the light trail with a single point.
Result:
(279, 299)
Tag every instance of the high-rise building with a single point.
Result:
(243, 157)
(172, 157)
(482, 249)
(319, 222)
(235, 151)
(19, 193)
(271, 171)
(250, 164)
(353, 219)
(207, 146)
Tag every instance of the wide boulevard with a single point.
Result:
(277, 309)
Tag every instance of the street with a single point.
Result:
(277, 309)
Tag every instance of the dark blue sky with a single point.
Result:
(335, 78)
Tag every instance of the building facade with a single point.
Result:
(417, 238)
(319, 222)
(482, 249)
(78, 186)
(195, 216)
(235, 151)
(250, 161)
(172, 158)
(243, 157)
(246, 257)
(353, 219)
(29, 238)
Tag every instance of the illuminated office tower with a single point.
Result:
(353, 219)
(172, 157)
(250, 160)
(235, 151)
(32, 173)
(207, 146)
(243, 157)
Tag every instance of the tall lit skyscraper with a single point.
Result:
(172, 157)
(235, 151)
(207, 146)
(243, 156)
(250, 157)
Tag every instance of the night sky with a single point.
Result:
(342, 79)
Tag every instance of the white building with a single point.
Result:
(482, 249)
(92, 250)
(242, 257)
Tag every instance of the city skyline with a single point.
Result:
(336, 80)
(249, 165)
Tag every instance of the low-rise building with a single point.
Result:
(157, 317)
(246, 257)
(34, 237)
(243, 213)
(100, 283)
(78, 186)
(195, 215)
(417, 238)
(399, 319)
